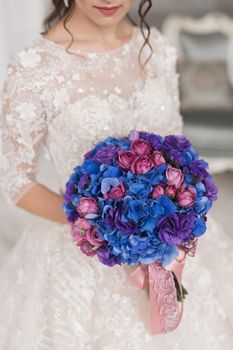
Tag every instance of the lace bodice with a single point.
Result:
(69, 102)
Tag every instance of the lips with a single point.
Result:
(108, 10)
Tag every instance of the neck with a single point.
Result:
(83, 29)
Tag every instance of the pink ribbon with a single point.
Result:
(165, 313)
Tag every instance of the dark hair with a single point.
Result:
(60, 11)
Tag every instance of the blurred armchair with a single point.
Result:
(205, 65)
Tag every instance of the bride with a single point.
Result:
(92, 74)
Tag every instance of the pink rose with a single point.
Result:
(126, 158)
(87, 248)
(170, 191)
(157, 191)
(78, 229)
(140, 147)
(87, 205)
(82, 224)
(142, 165)
(93, 238)
(158, 158)
(116, 192)
(186, 197)
(174, 176)
(78, 237)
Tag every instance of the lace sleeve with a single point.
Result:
(23, 126)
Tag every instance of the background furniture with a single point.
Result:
(205, 66)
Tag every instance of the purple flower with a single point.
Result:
(69, 191)
(175, 229)
(112, 217)
(106, 155)
(174, 146)
(198, 168)
(109, 216)
(72, 216)
(83, 181)
(175, 156)
(211, 189)
(105, 256)
(153, 139)
(126, 227)
(179, 143)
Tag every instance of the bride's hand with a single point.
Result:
(41, 201)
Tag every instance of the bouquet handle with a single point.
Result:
(165, 311)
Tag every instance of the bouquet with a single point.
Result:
(142, 200)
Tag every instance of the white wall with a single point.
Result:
(20, 21)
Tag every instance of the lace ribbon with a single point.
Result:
(165, 313)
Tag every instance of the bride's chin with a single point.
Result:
(119, 13)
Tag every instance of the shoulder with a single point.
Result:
(163, 50)
(28, 57)
(26, 66)
(164, 55)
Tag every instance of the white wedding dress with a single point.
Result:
(52, 296)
